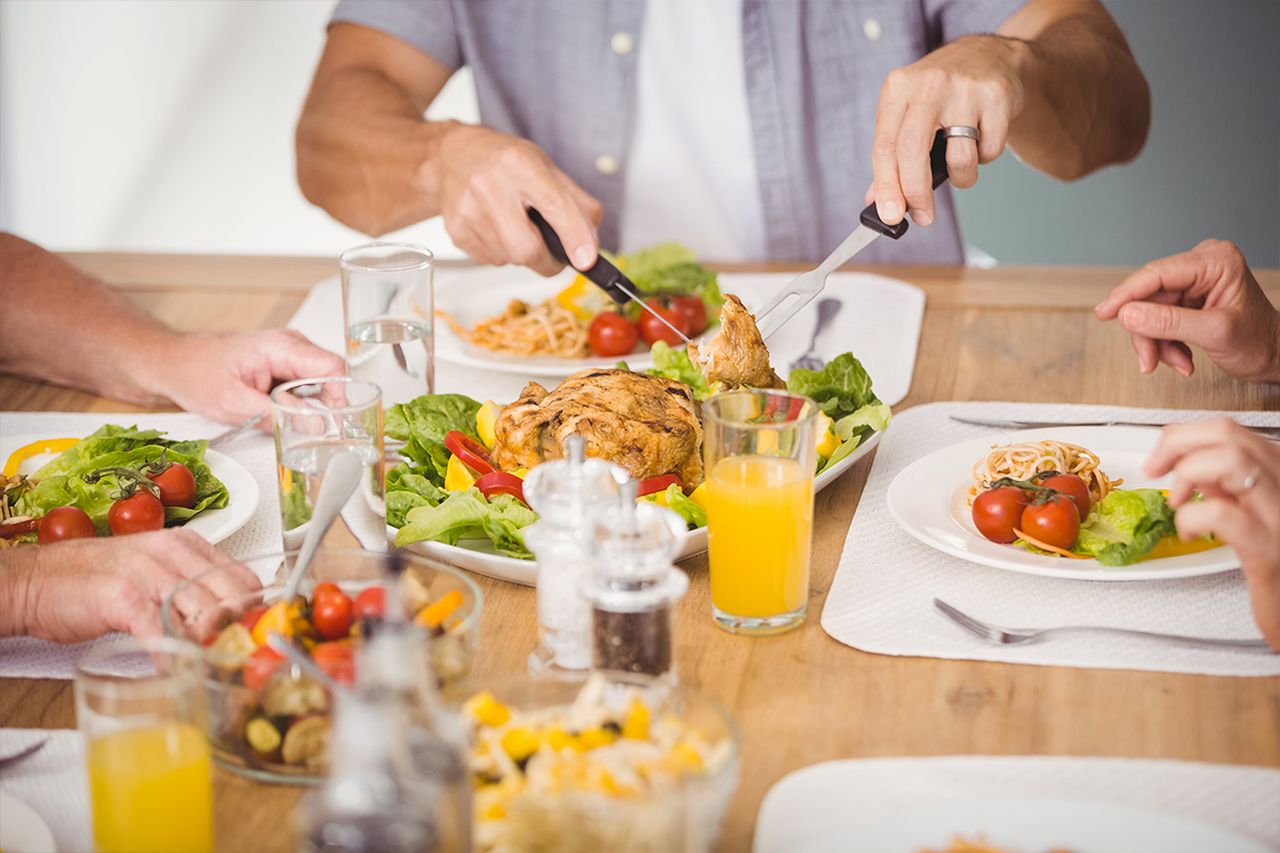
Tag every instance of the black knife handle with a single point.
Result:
(937, 165)
(602, 273)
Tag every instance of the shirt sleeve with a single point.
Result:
(428, 25)
(951, 19)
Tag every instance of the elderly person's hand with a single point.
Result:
(83, 588)
(1206, 297)
(1238, 475)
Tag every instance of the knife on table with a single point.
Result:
(801, 290)
(603, 274)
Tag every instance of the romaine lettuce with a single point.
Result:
(469, 515)
(840, 388)
(675, 364)
(1124, 526)
(693, 515)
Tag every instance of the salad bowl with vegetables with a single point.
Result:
(269, 720)
(117, 481)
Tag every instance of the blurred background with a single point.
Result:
(167, 125)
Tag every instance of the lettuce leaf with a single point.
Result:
(468, 515)
(422, 424)
(675, 364)
(693, 515)
(840, 388)
(1124, 526)
(670, 268)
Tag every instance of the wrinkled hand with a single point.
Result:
(83, 588)
(1238, 474)
(1206, 297)
(486, 179)
(226, 377)
(974, 81)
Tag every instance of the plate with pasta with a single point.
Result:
(1065, 502)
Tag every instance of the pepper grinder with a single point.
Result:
(633, 587)
(567, 494)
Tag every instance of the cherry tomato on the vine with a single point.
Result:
(138, 513)
(611, 334)
(1074, 488)
(996, 512)
(64, 522)
(653, 330)
(177, 485)
(694, 312)
(1053, 521)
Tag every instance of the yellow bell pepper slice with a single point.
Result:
(485, 419)
(699, 495)
(457, 477)
(434, 614)
(36, 448)
(828, 441)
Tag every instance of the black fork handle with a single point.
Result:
(937, 165)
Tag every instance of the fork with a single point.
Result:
(224, 437)
(22, 754)
(827, 310)
(998, 636)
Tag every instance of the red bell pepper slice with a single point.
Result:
(501, 483)
(657, 484)
(469, 451)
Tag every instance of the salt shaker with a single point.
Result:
(633, 587)
(567, 494)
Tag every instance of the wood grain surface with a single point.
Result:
(1016, 333)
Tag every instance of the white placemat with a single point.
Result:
(813, 801)
(25, 657)
(882, 597)
(52, 782)
(879, 323)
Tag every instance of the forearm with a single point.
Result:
(65, 327)
(1086, 104)
(365, 152)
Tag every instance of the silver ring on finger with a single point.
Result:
(962, 131)
(1251, 479)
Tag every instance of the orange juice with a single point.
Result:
(759, 529)
(150, 790)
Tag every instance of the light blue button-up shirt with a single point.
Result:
(544, 70)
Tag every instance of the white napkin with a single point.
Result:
(811, 802)
(882, 597)
(52, 782)
(24, 657)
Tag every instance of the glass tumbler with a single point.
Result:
(313, 420)
(141, 707)
(760, 453)
(387, 318)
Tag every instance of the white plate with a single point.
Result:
(927, 499)
(1034, 826)
(215, 524)
(21, 829)
(479, 556)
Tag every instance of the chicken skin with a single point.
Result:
(736, 354)
(645, 424)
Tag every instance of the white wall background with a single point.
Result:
(167, 125)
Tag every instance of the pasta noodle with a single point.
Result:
(962, 845)
(523, 329)
(1024, 461)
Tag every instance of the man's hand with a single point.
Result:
(484, 180)
(1206, 297)
(1238, 475)
(83, 588)
(974, 82)
(226, 377)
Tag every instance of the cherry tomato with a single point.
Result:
(694, 312)
(1054, 521)
(177, 485)
(259, 666)
(774, 411)
(996, 512)
(501, 483)
(656, 484)
(469, 451)
(338, 660)
(332, 615)
(371, 603)
(652, 329)
(611, 334)
(251, 616)
(138, 513)
(1073, 487)
(324, 589)
(65, 522)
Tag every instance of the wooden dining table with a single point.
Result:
(1008, 333)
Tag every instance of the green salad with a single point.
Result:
(446, 491)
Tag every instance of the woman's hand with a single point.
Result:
(1238, 474)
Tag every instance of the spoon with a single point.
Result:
(341, 476)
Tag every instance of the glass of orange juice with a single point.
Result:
(141, 705)
(760, 453)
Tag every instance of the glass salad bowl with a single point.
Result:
(617, 761)
(267, 719)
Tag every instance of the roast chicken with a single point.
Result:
(735, 355)
(645, 424)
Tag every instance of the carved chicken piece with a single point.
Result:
(735, 355)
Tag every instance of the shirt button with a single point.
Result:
(871, 29)
(622, 43)
(606, 165)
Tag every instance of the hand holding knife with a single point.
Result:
(603, 274)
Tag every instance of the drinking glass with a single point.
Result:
(141, 707)
(387, 317)
(314, 419)
(760, 453)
